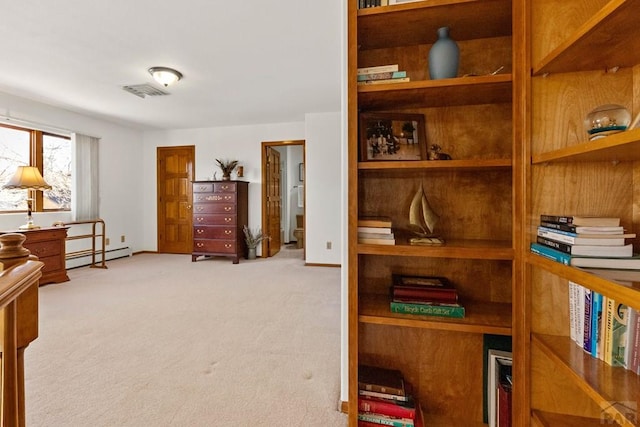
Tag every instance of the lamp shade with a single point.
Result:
(28, 178)
(165, 76)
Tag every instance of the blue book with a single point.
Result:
(596, 321)
(550, 253)
(588, 306)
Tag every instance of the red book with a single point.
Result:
(386, 408)
(504, 405)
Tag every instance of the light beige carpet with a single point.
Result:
(156, 340)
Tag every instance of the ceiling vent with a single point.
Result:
(144, 90)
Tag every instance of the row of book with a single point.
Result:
(381, 74)
(363, 4)
(596, 242)
(606, 329)
(425, 296)
(385, 398)
(376, 231)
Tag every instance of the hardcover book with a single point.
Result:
(383, 407)
(382, 76)
(378, 69)
(374, 221)
(581, 220)
(442, 310)
(588, 250)
(381, 380)
(584, 239)
(583, 230)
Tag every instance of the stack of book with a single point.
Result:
(598, 242)
(425, 295)
(382, 74)
(375, 231)
(384, 398)
(606, 329)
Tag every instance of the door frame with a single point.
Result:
(263, 147)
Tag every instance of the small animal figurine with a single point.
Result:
(435, 154)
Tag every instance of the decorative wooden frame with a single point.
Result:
(396, 144)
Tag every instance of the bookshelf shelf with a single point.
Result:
(480, 317)
(416, 23)
(550, 419)
(609, 38)
(628, 293)
(463, 249)
(475, 164)
(475, 90)
(619, 147)
(600, 381)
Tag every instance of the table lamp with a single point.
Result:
(27, 178)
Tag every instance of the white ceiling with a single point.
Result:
(244, 62)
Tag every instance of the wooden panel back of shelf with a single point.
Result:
(417, 22)
(606, 35)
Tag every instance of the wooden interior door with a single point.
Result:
(273, 200)
(175, 166)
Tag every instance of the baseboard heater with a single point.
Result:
(83, 260)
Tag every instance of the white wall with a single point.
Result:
(323, 188)
(244, 143)
(120, 174)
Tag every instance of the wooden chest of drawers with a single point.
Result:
(220, 210)
(48, 244)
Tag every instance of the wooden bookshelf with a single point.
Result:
(472, 118)
(583, 54)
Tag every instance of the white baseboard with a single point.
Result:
(86, 259)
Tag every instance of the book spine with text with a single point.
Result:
(382, 76)
(586, 335)
(550, 253)
(386, 396)
(596, 321)
(443, 310)
(384, 81)
(385, 420)
(385, 408)
(378, 69)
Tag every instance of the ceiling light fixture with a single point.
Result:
(165, 76)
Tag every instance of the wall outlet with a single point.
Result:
(328, 245)
(106, 241)
(122, 239)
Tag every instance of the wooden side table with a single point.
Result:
(48, 244)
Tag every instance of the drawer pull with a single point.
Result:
(227, 245)
(228, 197)
(199, 208)
(227, 219)
(225, 187)
(203, 187)
(199, 219)
(227, 232)
(199, 244)
(199, 231)
(227, 208)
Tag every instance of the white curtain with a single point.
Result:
(84, 189)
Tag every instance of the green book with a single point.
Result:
(443, 310)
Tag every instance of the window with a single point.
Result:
(50, 153)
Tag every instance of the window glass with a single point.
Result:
(56, 163)
(14, 152)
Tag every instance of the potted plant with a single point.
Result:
(253, 238)
(226, 166)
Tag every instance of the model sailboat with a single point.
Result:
(423, 220)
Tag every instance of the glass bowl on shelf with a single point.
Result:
(606, 120)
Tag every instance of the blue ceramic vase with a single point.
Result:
(444, 56)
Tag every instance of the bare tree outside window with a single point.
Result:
(56, 152)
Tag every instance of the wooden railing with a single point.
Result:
(19, 322)
(94, 235)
